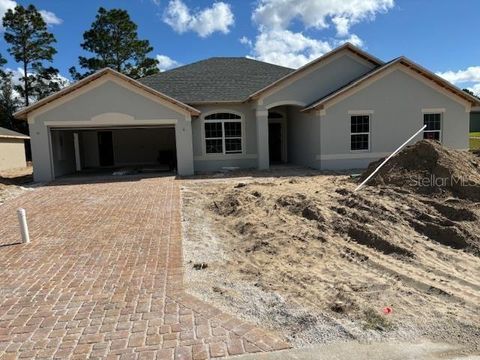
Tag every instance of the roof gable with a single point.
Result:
(54, 99)
(369, 78)
(302, 71)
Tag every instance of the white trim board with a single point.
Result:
(108, 77)
(93, 124)
(352, 156)
(228, 157)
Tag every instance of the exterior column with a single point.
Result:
(76, 145)
(42, 154)
(262, 139)
(184, 143)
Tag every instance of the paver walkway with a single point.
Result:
(102, 277)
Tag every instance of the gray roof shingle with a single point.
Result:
(7, 133)
(218, 79)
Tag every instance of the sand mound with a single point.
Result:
(429, 168)
(335, 253)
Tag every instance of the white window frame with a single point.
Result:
(223, 138)
(369, 133)
(440, 132)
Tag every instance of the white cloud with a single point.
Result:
(218, 17)
(166, 63)
(287, 48)
(246, 41)
(468, 78)
(50, 18)
(18, 74)
(475, 89)
(471, 74)
(4, 6)
(319, 14)
(277, 43)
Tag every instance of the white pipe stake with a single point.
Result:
(387, 159)
(22, 220)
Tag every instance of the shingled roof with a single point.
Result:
(220, 79)
(10, 134)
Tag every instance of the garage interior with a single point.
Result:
(115, 151)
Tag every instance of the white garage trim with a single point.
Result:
(91, 123)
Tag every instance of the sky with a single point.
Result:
(441, 35)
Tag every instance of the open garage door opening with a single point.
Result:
(117, 151)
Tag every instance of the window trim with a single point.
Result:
(440, 132)
(222, 121)
(369, 133)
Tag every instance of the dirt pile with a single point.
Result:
(337, 254)
(429, 168)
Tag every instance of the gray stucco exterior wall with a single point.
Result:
(303, 136)
(320, 81)
(109, 103)
(212, 162)
(396, 102)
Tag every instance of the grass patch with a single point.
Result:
(475, 141)
(375, 321)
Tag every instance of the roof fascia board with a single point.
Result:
(379, 74)
(347, 91)
(94, 80)
(62, 99)
(435, 78)
(14, 137)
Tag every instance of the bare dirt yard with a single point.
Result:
(301, 253)
(14, 182)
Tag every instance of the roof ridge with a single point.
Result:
(212, 58)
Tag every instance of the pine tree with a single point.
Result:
(9, 102)
(113, 40)
(31, 44)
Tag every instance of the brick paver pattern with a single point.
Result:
(102, 278)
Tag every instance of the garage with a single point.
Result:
(108, 123)
(113, 150)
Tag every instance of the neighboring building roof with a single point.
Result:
(378, 71)
(10, 134)
(347, 46)
(220, 79)
(22, 114)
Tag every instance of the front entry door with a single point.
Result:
(105, 148)
(275, 142)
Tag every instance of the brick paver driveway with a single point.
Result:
(103, 278)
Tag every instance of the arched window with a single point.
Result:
(222, 116)
(223, 133)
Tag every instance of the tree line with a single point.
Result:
(112, 41)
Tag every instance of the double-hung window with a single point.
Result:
(433, 131)
(223, 134)
(360, 132)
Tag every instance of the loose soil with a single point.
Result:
(307, 256)
(14, 182)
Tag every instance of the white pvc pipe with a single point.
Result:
(388, 158)
(22, 220)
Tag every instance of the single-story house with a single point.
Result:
(340, 111)
(12, 149)
(475, 119)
